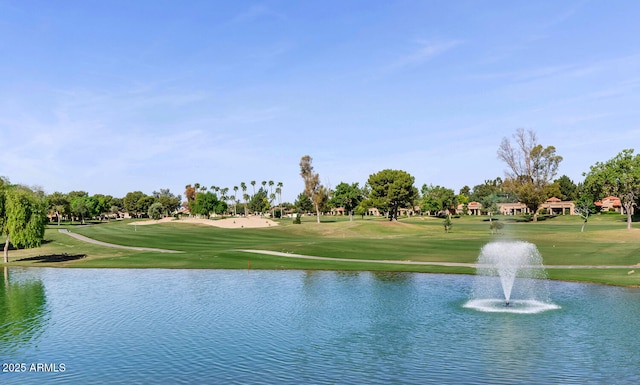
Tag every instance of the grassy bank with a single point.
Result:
(605, 242)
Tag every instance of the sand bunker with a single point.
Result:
(227, 223)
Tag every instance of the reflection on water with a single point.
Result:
(22, 310)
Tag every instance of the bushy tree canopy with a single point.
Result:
(156, 211)
(259, 202)
(620, 177)
(392, 189)
(207, 203)
(347, 196)
(23, 216)
(436, 199)
(303, 203)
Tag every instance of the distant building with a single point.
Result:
(473, 208)
(610, 203)
(513, 208)
(555, 206)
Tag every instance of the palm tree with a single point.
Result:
(272, 197)
(279, 192)
(271, 187)
(235, 194)
(244, 196)
(253, 183)
(223, 194)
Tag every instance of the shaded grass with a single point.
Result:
(605, 242)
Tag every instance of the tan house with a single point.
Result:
(373, 211)
(473, 208)
(610, 203)
(556, 206)
(513, 208)
(553, 206)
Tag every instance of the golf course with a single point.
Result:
(605, 253)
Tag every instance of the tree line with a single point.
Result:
(205, 201)
(530, 179)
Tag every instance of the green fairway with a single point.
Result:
(605, 242)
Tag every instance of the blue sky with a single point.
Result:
(117, 96)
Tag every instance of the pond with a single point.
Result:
(124, 326)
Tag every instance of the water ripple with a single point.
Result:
(163, 326)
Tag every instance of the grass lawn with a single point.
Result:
(605, 242)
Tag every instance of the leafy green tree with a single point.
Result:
(463, 199)
(568, 189)
(620, 177)
(259, 202)
(116, 206)
(347, 196)
(495, 226)
(392, 189)
(436, 199)
(447, 223)
(489, 194)
(82, 207)
(130, 202)
(531, 168)
(59, 205)
(23, 217)
(143, 204)
(102, 204)
(156, 211)
(207, 203)
(362, 208)
(584, 207)
(553, 190)
(303, 203)
(168, 200)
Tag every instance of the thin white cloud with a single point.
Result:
(256, 12)
(425, 51)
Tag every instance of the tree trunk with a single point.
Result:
(583, 224)
(6, 250)
(628, 207)
(350, 215)
(318, 214)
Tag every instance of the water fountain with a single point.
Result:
(510, 278)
